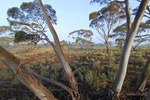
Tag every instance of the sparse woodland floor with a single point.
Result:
(94, 71)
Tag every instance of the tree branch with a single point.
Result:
(128, 15)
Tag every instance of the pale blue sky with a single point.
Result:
(72, 15)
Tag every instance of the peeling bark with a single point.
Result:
(60, 53)
(24, 76)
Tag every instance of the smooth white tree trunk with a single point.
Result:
(127, 47)
(60, 53)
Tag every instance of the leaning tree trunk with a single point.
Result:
(144, 77)
(127, 47)
(24, 76)
(60, 53)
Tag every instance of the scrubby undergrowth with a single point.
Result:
(94, 70)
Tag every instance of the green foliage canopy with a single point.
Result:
(142, 36)
(23, 36)
(28, 20)
(110, 14)
(82, 36)
(121, 30)
(30, 12)
(105, 20)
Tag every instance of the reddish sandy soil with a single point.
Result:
(35, 52)
(32, 54)
(36, 56)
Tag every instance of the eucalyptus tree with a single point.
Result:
(28, 18)
(141, 37)
(59, 52)
(142, 80)
(34, 18)
(106, 19)
(82, 37)
(18, 67)
(132, 29)
(64, 44)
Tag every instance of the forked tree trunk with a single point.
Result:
(60, 53)
(144, 77)
(24, 76)
(127, 47)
